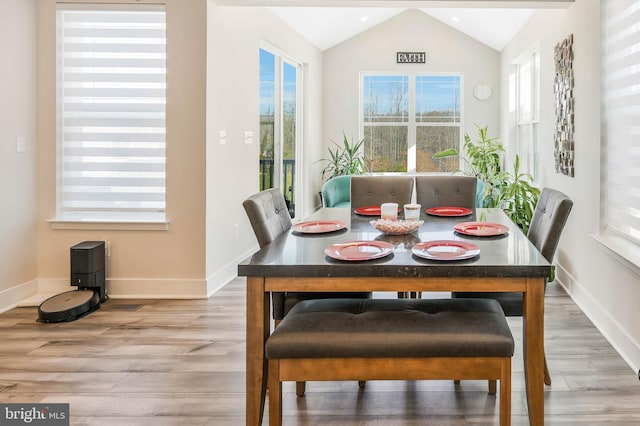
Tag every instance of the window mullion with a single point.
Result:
(411, 131)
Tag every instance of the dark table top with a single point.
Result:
(302, 255)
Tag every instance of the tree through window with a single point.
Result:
(407, 118)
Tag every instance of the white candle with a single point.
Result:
(389, 211)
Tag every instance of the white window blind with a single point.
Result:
(111, 112)
(621, 116)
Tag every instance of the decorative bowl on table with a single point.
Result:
(396, 227)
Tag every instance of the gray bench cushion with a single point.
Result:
(392, 328)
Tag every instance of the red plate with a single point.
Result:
(481, 229)
(359, 250)
(319, 226)
(370, 211)
(445, 250)
(449, 211)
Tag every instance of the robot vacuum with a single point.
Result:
(88, 274)
(68, 306)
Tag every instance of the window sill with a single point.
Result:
(622, 250)
(109, 225)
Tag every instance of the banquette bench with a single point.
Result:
(391, 339)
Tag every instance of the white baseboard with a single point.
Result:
(34, 292)
(224, 275)
(622, 342)
(10, 298)
(132, 288)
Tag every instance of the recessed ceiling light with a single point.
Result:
(364, 18)
(455, 19)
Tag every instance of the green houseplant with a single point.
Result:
(513, 192)
(519, 196)
(345, 159)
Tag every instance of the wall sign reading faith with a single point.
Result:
(411, 57)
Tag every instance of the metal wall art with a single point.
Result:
(563, 142)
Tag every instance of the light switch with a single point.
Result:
(21, 144)
(248, 137)
(223, 137)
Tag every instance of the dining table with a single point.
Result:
(339, 250)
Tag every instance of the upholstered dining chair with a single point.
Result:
(449, 190)
(375, 190)
(546, 227)
(336, 192)
(269, 218)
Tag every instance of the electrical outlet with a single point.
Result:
(107, 248)
(236, 230)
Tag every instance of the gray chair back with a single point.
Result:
(546, 227)
(268, 214)
(548, 221)
(375, 190)
(450, 190)
(269, 217)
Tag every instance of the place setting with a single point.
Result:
(449, 211)
(314, 227)
(356, 251)
(481, 229)
(445, 250)
(373, 210)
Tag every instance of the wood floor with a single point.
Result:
(181, 362)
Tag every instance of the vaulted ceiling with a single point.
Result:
(326, 23)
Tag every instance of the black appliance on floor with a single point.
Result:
(88, 274)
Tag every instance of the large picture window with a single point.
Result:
(407, 118)
(111, 112)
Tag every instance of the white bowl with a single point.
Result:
(397, 227)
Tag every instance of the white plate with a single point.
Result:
(445, 250)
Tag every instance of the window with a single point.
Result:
(407, 118)
(111, 113)
(280, 94)
(621, 115)
(528, 111)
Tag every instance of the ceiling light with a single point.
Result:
(455, 19)
(364, 18)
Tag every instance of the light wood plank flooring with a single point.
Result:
(181, 362)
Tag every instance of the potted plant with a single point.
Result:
(519, 197)
(345, 159)
(513, 192)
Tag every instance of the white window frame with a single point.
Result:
(278, 175)
(411, 124)
(127, 211)
(527, 128)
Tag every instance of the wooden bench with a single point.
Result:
(391, 339)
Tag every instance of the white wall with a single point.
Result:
(233, 42)
(146, 263)
(206, 181)
(606, 289)
(375, 50)
(17, 170)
